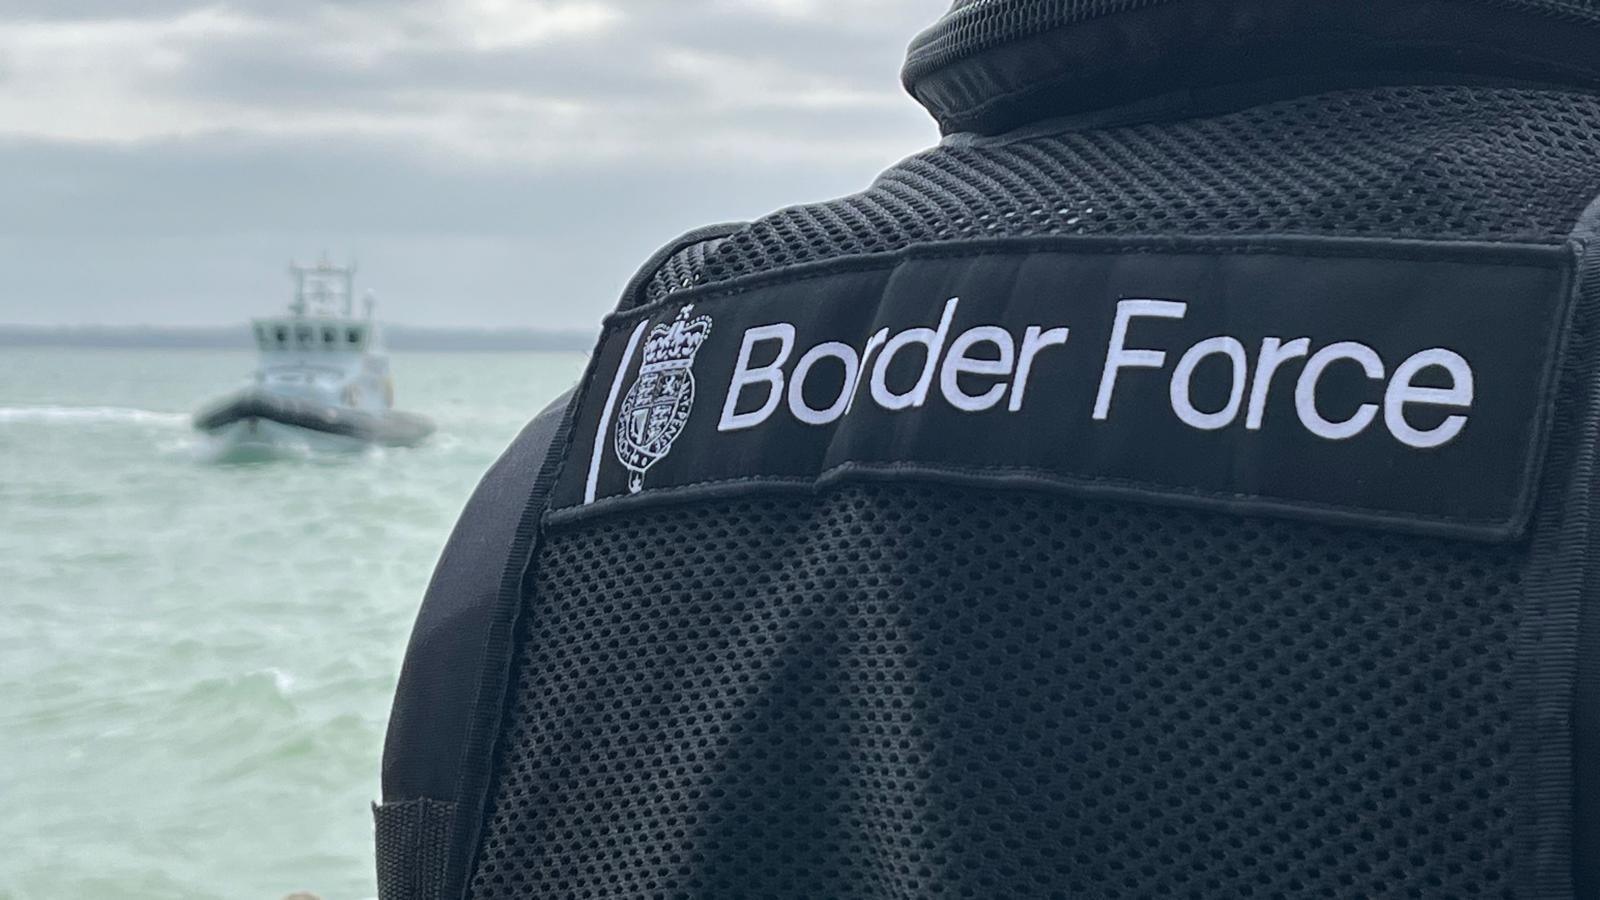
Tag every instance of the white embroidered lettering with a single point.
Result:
(1274, 353)
(959, 363)
(744, 376)
(933, 339)
(1183, 375)
(846, 354)
(1119, 357)
(1403, 390)
(1305, 391)
(1034, 341)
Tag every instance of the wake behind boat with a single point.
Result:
(322, 382)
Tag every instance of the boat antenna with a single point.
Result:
(298, 307)
(370, 301)
(350, 288)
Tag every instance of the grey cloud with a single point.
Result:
(220, 183)
(627, 69)
(64, 10)
(195, 228)
(102, 10)
(195, 232)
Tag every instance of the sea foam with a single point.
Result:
(88, 415)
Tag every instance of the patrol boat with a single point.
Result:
(322, 382)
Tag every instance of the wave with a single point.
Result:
(89, 415)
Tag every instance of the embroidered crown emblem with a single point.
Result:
(675, 345)
(658, 405)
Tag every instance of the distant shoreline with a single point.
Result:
(400, 338)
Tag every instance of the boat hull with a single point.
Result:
(256, 417)
(263, 440)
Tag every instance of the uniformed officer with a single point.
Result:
(1179, 481)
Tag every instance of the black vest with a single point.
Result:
(1179, 481)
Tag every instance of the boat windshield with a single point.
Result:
(310, 336)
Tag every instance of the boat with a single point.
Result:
(322, 381)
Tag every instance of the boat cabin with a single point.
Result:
(320, 350)
(321, 318)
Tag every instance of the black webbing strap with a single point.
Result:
(432, 707)
(1579, 610)
(412, 840)
(1551, 860)
(498, 647)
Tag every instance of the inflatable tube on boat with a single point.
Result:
(389, 427)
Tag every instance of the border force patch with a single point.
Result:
(1402, 384)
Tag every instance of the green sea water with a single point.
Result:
(197, 659)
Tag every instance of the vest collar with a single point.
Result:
(993, 65)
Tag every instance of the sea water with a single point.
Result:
(197, 659)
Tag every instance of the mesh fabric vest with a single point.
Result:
(920, 688)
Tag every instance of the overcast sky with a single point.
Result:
(487, 162)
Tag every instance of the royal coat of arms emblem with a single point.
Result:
(657, 406)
